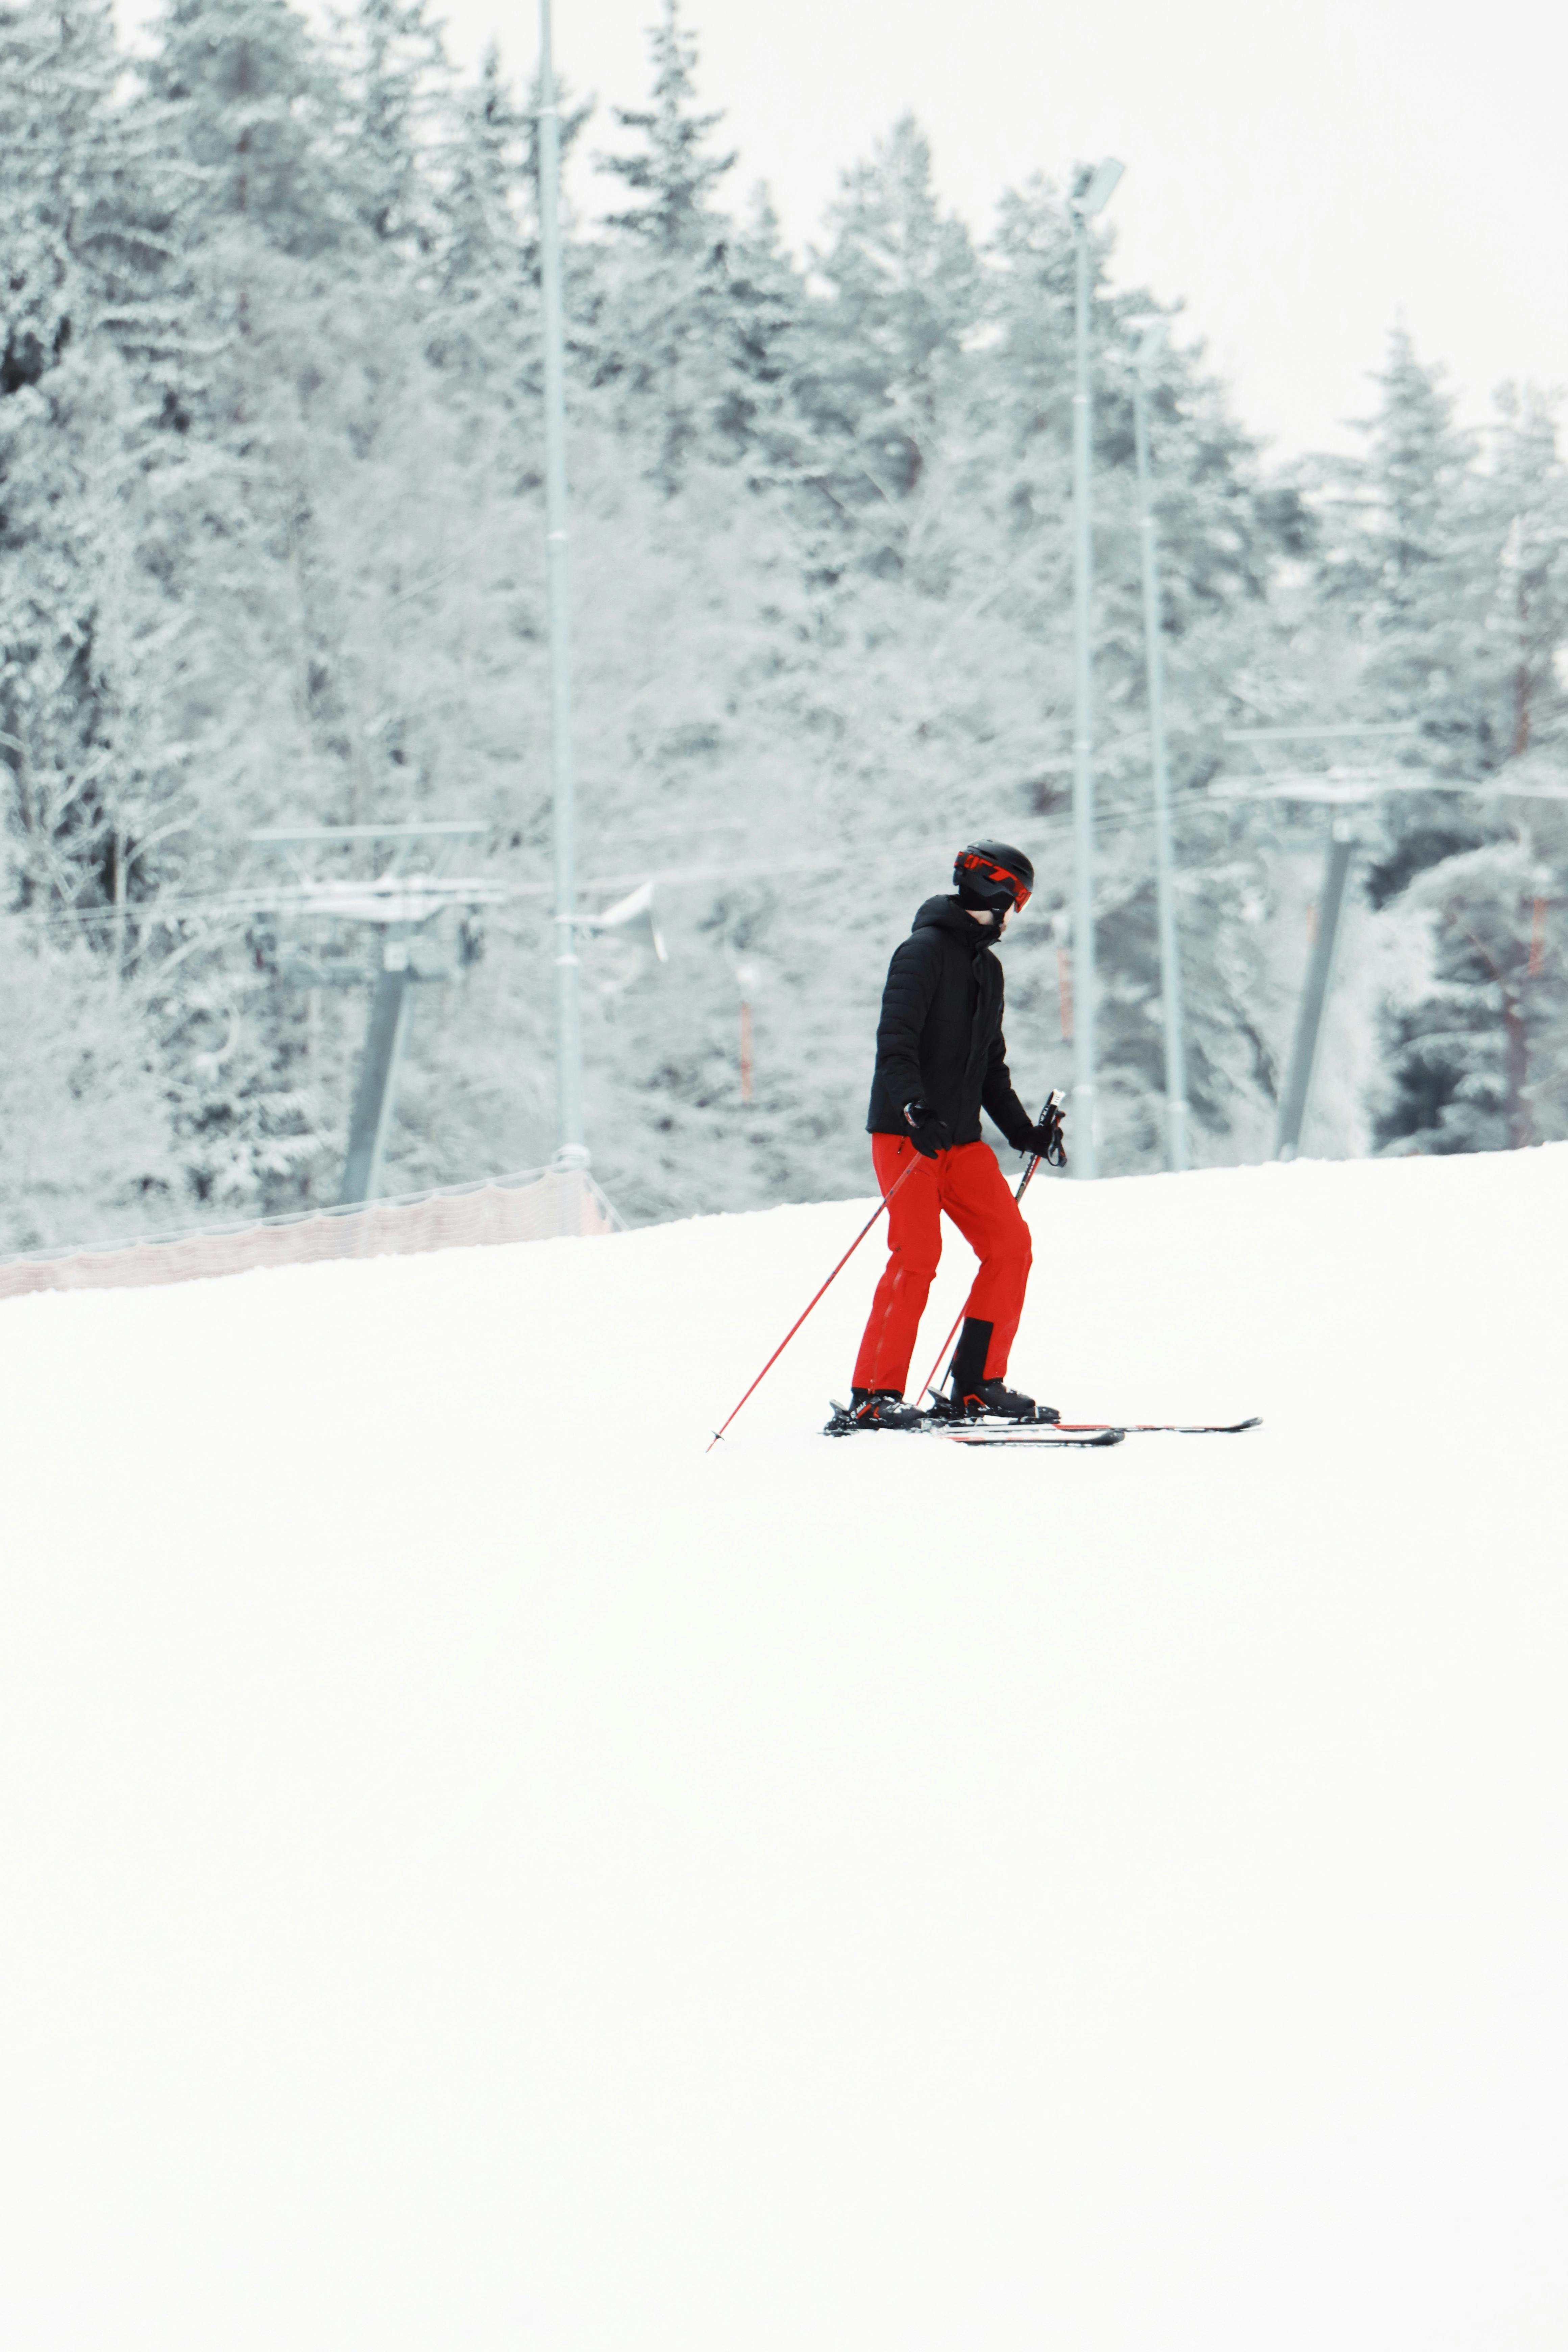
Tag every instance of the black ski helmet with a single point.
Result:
(990, 874)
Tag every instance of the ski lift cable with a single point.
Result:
(1220, 797)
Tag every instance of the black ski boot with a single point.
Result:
(1002, 1402)
(881, 1409)
(969, 1393)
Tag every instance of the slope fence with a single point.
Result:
(539, 1204)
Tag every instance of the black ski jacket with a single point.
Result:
(940, 1038)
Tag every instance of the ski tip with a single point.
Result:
(1196, 1428)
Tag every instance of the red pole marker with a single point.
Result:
(800, 1318)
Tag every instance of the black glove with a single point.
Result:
(1045, 1140)
(928, 1133)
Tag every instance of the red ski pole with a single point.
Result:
(800, 1318)
(1023, 1182)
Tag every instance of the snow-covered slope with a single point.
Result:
(480, 1872)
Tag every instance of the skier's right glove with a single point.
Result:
(928, 1133)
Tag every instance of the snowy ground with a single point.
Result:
(479, 1872)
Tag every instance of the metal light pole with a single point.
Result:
(1148, 351)
(1092, 195)
(571, 1151)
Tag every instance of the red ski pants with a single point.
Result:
(967, 1183)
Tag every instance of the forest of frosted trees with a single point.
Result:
(272, 555)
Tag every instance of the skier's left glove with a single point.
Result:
(1046, 1141)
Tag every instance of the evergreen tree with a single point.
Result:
(1461, 1053)
(1526, 488)
(757, 415)
(84, 1136)
(84, 453)
(252, 102)
(1449, 568)
(1475, 1061)
(302, 344)
(670, 171)
(1411, 550)
(396, 70)
(668, 343)
(904, 292)
(95, 803)
(481, 276)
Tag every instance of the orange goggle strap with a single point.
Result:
(970, 863)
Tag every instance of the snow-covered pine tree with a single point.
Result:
(84, 1131)
(1446, 564)
(80, 588)
(1410, 549)
(757, 417)
(885, 352)
(251, 120)
(254, 105)
(1526, 486)
(671, 171)
(95, 806)
(482, 327)
(1480, 1061)
(669, 340)
(394, 70)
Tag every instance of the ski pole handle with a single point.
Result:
(1053, 1105)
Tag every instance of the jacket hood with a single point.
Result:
(947, 915)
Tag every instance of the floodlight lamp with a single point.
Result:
(1096, 187)
(1152, 346)
(627, 910)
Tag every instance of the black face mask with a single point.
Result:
(997, 903)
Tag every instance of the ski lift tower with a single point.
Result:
(396, 904)
(1340, 788)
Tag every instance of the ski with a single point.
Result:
(986, 1433)
(1050, 1433)
(1172, 1428)
(1021, 1432)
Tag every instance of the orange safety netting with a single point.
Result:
(538, 1206)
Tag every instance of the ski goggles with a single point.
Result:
(987, 872)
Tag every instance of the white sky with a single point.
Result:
(1301, 172)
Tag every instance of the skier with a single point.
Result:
(941, 1057)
